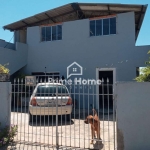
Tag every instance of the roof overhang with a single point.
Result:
(76, 11)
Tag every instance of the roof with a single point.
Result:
(76, 11)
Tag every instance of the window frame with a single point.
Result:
(51, 33)
(102, 18)
(116, 25)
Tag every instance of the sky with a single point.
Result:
(15, 10)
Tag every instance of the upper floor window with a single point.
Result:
(51, 33)
(105, 26)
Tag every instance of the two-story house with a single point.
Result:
(99, 37)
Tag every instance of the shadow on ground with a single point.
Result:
(50, 121)
(98, 145)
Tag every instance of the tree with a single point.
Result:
(145, 73)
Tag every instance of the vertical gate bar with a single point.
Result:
(16, 96)
(61, 115)
(103, 110)
(17, 105)
(57, 146)
(36, 134)
(93, 105)
(21, 104)
(65, 129)
(12, 105)
(74, 117)
(79, 114)
(48, 115)
(25, 107)
(70, 118)
(52, 116)
(84, 114)
(32, 117)
(12, 114)
(14, 91)
(114, 119)
(28, 117)
(88, 114)
(60, 136)
(92, 115)
(36, 82)
(108, 112)
(93, 98)
(33, 87)
(44, 110)
(40, 110)
(99, 104)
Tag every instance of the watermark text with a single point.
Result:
(76, 81)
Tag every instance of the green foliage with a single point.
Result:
(145, 76)
(4, 69)
(7, 134)
(145, 72)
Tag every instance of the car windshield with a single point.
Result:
(50, 90)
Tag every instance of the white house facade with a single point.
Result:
(99, 37)
(90, 34)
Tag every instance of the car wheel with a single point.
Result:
(31, 117)
(68, 117)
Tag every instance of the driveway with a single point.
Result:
(41, 134)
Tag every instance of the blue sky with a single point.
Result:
(14, 10)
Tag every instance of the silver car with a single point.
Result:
(45, 97)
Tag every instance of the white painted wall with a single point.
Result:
(133, 111)
(5, 103)
(16, 58)
(110, 51)
(8, 45)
